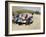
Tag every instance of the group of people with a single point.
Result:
(21, 18)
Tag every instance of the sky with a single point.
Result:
(28, 8)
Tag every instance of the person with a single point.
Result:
(26, 16)
(17, 18)
(23, 16)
